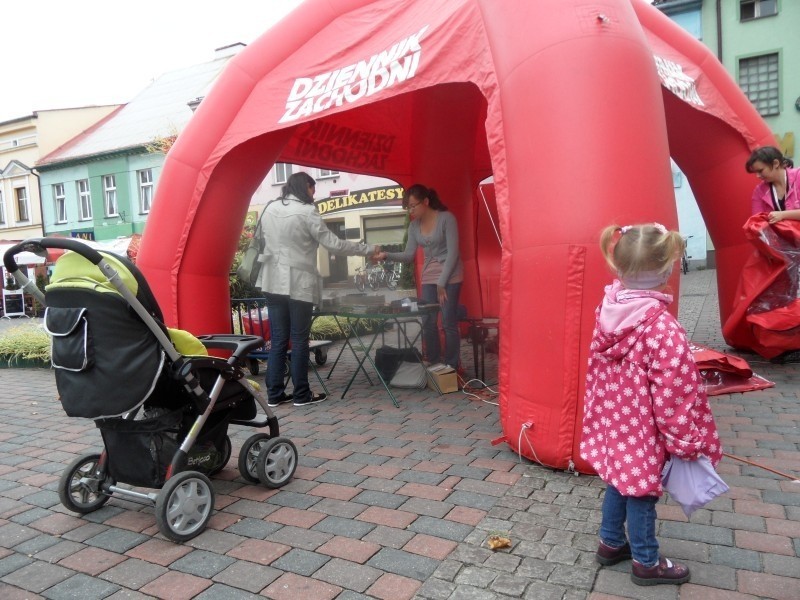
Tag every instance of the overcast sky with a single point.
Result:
(63, 54)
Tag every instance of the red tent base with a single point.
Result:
(726, 374)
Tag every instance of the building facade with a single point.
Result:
(100, 185)
(23, 142)
(758, 43)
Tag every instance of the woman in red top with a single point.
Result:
(777, 193)
(645, 400)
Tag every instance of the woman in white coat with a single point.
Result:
(293, 230)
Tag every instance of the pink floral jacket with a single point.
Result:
(644, 399)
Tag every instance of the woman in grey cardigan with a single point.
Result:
(436, 230)
(293, 230)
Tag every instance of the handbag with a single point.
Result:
(410, 375)
(250, 267)
(389, 359)
(692, 483)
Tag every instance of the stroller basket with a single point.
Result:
(139, 452)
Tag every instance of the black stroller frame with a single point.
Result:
(187, 406)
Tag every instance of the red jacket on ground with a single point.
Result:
(644, 399)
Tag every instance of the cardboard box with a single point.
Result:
(445, 377)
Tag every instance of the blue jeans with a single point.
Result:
(640, 513)
(430, 330)
(289, 320)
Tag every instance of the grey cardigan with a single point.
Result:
(441, 245)
(292, 233)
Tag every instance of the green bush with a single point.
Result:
(27, 342)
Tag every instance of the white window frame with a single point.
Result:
(2, 209)
(282, 172)
(758, 8)
(110, 193)
(759, 78)
(84, 200)
(22, 204)
(327, 173)
(60, 202)
(145, 179)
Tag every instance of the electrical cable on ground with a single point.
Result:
(483, 392)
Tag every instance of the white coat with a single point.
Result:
(293, 231)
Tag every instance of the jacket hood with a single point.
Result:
(620, 313)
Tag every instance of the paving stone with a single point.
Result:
(219, 591)
(349, 479)
(202, 563)
(13, 562)
(133, 573)
(441, 528)
(436, 589)
(254, 528)
(293, 500)
(384, 500)
(37, 544)
(698, 533)
(472, 500)
(117, 540)
(344, 527)
(80, 586)
(176, 586)
(43, 499)
(38, 576)
(248, 576)
(476, 576)
(736, 558)
(301, 562)
(403, 563)
(349, 575)
(29, 516)
(509, 585)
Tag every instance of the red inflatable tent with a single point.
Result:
(574, 106)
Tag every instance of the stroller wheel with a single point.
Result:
(252, 366)
(79, 486)
(277, 462)
(184, 506)
(227, 449)
(320, 356)
(248, 455)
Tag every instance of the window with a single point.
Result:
(758, 78)
(2, 209)
(755, 9)
(23, 212)
(110, 192)
(60, 199)
(84, 200)
(145, 190)
(326, 173)
(282, 172)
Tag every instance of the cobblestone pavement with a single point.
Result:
(397, 503)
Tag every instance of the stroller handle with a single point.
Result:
(39, 245)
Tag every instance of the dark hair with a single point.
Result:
(768, 155)
(420, 192)
(297, 186)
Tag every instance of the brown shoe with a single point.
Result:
(608, 555)
(664, 572)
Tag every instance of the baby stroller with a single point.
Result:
(162, 404)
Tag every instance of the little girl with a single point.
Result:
(644, 400)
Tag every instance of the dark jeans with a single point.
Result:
(430, 330)
(289, 320)
(640, 513)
